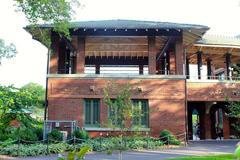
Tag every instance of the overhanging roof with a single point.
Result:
(191, 32)
(215, 47)
(217, 40)
(130, 24)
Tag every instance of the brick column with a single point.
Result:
(179, 56)
(151, 55)
(172, 63)
(207, 126)
(80, 55)
(53, 66)
(226, 127)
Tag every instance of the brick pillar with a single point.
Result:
(151, 55)
(179, 56)
(54, 56)
(81, 55)
(172, 63)
(226, 127)
(206, 126)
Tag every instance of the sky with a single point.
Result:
(29, 65)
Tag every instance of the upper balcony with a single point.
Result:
(126, 48)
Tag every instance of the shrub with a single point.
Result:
(39, 133)
(24, 133)
(168, 138)
(81, 134)
(27, 134)
(7, 132)
(55, 135)
(33, 149)
(115, 143)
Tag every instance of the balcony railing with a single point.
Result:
(116, 69)
(218, 78)
(136, 71)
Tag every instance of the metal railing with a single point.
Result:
(219, 78)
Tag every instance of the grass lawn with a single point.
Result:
(213, 157)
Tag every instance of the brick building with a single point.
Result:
(160, 59)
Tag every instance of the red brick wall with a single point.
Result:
(165, 97)
(65, 109)
(213, 91)
(166, 115)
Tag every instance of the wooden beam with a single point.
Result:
(166, 45)
(199, 63)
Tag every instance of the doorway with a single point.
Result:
(195, 125)
(217, 123)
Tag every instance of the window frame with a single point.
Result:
(92, 112)
(141, 123)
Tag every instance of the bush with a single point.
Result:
(7, 133)
(27, 134)
(81, 134)
(39, 133)
(55, 135)
(115, 143)
(24, 133)
(33, 149)
(168, 138)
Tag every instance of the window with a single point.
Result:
(141, 113)
(92, 112)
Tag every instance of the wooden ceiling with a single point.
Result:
(125, 46)
(133, 46)
(213, 52)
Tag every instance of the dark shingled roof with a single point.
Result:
(131, 24)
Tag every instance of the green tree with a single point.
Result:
(15, 104)
(7, 50)
(59, 13)
(236, 70)
(37, 91)
(118, 99)
(234, 112)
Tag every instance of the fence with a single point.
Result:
(67, 126)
